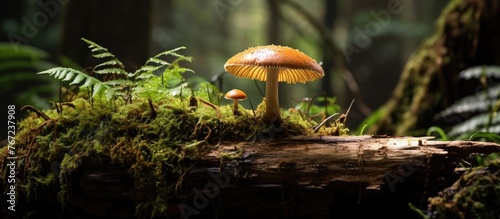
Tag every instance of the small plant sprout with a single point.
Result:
(274, 64)
(235, 95)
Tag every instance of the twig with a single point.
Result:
(210, 105)
(323, 122)
(347, 112)
(38, 112)
(310, 103)
(251, 106)
(153, 114)
(258, 88)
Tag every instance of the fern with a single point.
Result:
(477, 111)
(169, 84)
(112, 66)
(480, 71)
(475, 123)
(122, 84)
(155, 63)
(18, 63)
(478, 102)
(77, 77)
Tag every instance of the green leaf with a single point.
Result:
(97, 89)
(208, 91)
(14, 51)
(371, 119)
(439, 131)
(111, 71)
(89, 82)
(75, 76)
(118, 82)
(478, 71)
(103, 55)
(101, 52)
(155, 63)
(158, 61)
(69, 76)
(77, 79)
(491, 137)
(110, 63)
(471, 104)
(146, 76)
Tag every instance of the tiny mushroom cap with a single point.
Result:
(273, 64)
(235, 94)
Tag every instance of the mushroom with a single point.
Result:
(235, 95)
(273, 64)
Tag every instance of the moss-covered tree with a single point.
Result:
(466, 35)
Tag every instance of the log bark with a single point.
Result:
(300, 177)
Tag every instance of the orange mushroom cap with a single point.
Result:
(235, 94)
(294, 65)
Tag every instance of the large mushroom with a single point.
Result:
(273, 64)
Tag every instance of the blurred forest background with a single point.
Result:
(371, 40)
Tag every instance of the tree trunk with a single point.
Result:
(329, 19)
(466, 35)
(122, 26)
(273, 27)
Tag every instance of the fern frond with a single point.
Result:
(14, 50)
(112, 66)
(100, 52)
(98, 88)
(112, 62)
(110, 71)
(474, 123)
(469, 125)
(478, 71)
(478, 102)
(76, 77)
(146, 76)
(119, 82)
(155, 63)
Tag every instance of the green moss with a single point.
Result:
(154, 148)
(475, 195)
(158, 128)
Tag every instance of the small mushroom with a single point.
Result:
(274, 64)
(235, 95)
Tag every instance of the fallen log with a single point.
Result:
(299, 177)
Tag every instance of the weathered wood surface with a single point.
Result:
(300, 177)
(316, 161)
(312, 177)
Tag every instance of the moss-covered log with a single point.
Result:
(297, 177)
(475, 195)
(466, 35)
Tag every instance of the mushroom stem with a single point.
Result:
(235, 107)
(272, 103)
